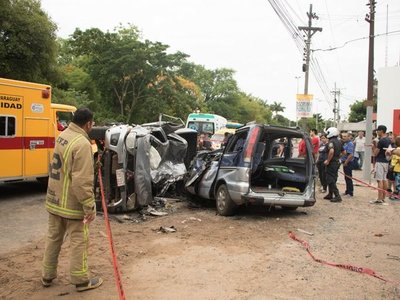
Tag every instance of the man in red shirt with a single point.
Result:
(302, 148)
(315, 142)
(60, 127)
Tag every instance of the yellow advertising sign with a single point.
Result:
(304, 105)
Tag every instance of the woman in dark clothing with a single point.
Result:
(323, 155)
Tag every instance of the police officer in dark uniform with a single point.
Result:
(334, 150)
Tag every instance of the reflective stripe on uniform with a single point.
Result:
(67, 212)
(49, 268)
(79, 273)
(85, 252)
(87, 201)
(65, 167)
(84, 269)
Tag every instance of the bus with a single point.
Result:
(233, 125)
(205, 123)
(29, 126)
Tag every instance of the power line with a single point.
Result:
(334, 41)
(396, 32)
(295, 33)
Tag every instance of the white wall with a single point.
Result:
(388, 95)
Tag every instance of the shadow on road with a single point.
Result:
(250, 212)
(20, 189)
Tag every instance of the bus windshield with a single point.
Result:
(206, 127)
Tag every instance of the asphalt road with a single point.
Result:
(23, 216)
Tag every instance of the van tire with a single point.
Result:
(223, 201)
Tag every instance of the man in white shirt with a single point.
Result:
(360, 148)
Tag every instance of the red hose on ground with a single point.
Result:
(348, 267)
(117, 273)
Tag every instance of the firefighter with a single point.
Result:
(334, 150)
(70, 202)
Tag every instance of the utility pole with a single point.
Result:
(309, 31)
(336, 106)
(370, 18)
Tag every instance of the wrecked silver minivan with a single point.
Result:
(139, 162)
(259, 165)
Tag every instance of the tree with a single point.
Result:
(28, 48)
(71, 97)
(280, 120)
(242, 108)
(214, 84)
(254, 109)
(136, 79)
(276, 107)
(320, 123)
(358, 111)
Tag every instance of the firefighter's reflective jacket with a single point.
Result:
(70, 189)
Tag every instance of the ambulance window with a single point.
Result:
(65, 117)
(7, 126)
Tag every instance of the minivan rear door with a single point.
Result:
(236, 161)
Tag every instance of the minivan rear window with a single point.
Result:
(237, 142)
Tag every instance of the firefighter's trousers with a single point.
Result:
(78, 234)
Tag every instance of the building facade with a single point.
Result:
(388, 112)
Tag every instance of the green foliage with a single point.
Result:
(28, 47)
(253, 109)
(121, 77)
(281, 120)
(214, 84)
(315, 122)
(241, 108)
(72, 97)
(358, 111)
(136, 79)
(276, 107)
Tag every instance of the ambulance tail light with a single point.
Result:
(46, 93)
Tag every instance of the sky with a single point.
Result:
(249, 37)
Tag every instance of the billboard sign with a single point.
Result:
(304, 106)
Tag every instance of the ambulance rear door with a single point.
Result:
(38, 144)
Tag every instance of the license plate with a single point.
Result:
(120, 177)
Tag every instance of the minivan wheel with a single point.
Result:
(225, 205)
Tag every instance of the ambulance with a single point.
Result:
(205, 123)
(29, 126)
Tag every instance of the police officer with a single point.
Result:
(334, 149)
